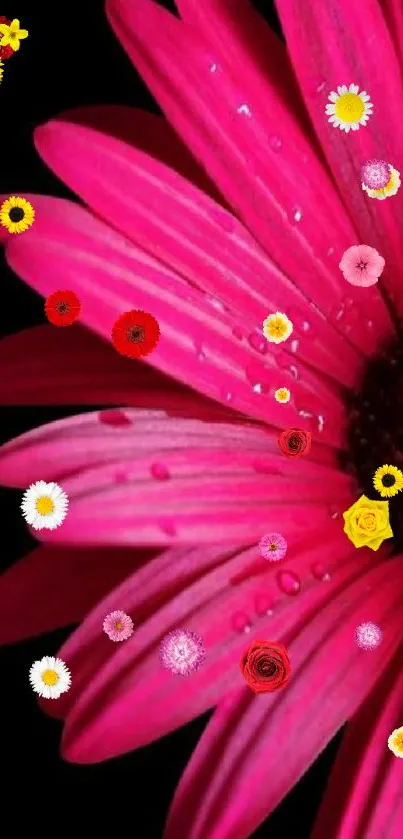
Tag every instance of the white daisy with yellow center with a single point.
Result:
(50, 677)
(44, 506)
(391, 187)
(282, 395)
(348, 108)
(277, 328)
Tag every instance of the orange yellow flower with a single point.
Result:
(366, 523)
(395, 742)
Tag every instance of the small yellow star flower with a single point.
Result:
(12, 34)
(388, 481)
(277, 328)
(282, 395)
(366, 523)
(395, 742)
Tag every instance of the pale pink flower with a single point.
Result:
(273, 547)
(182, 652)
(362, 265)
(368, 635)
(118, 626)
(209, 250)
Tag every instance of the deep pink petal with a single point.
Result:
(159, 210)
(290, 215)
(132, 698)
(198, 343)
(328, 49)
(51, 588)
(393, 11)
(364, 794)
(256, 747)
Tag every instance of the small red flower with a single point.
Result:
(135, 334)
(265, 666)
(5, 52)
(294, 442)
(62, 308)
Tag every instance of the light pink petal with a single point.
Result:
(290, 215)
(364, 794)
(131, 697)
(51, 588)
(164, 213)
(46, 365)
(197, 344)
(135, 478)
(328, 50)
(256, 748)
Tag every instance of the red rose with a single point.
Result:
(294, 442)
(266, 666)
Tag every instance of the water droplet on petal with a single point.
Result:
(216, 304)
(258, 378)
(264, 604)
(288, 582)
(321, 422)
(244, 109)
(258, 342)
(305, 414)
(257, 388)
(167, 527)
(293, 371)
(334, 513)
(306, 326)
(241, 622)
(296, 215)
(226, 396)
(201, 355)
(238, 333)
(275, 143)
(213, 67)
(263, 467)
(370, 324)
(321, 572)
(294, 345)
(330, 251)
(160, 472)
(114, 417)
(320, 87)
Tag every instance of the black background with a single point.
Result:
(72, 58)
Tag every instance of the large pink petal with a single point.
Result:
(132, 698)
(164, 213)
(134, 476)
(198, 343)
(329, 48)
(364, 797)
(51, 588)
(46, 365)
(286, 199)
(393, 11)
(256, 747)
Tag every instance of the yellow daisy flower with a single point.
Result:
(391, 187)
(277, 328)
(16, 214)
(395, 742)
(348, 108)
(388, 481)
(12, 34)
(282, 395)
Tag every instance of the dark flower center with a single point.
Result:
(16, 214)
(62, 307)
(135, 334)
(362, 265)
(267, 668)
(375, 430)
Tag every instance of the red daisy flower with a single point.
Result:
(135, 334)
(5, 52)
(62, 308)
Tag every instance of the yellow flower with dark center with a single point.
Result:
(366, 523)
(12, 34)
(395, 742)
(16, 214)
(388, 481)
(277, 328)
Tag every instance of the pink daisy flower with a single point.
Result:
(273, 547)
(253, 220)
(182, 652)
(362, 265)
(375, 174)
(118, 626)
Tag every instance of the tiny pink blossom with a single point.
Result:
(182, 652)
(273, 547)
(375, 174)
(118, 626)
(362, 265)
(368, 635)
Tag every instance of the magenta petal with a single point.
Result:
(247, 595)
(253, 751)
(364, 792)
(52, 588)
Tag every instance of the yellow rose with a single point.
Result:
(367, 523)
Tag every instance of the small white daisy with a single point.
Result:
(50, 677)
(44, 505)
(348, 109)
